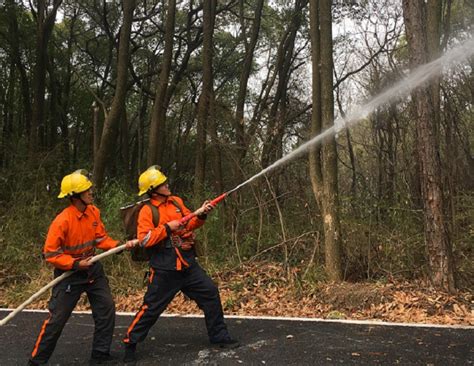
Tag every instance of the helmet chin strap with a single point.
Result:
(85, 204)
(153, 191)
(159, 194)
(78, 196)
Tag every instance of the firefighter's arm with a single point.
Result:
(52, 251)
(103, 240)
(196, 221)
(145, 226)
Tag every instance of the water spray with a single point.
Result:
(417, 77)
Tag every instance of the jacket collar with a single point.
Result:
(157, 203)
(78, 213)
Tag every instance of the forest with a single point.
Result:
(216, 91)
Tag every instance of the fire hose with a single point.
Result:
(117, 249)
(62, 277)
(213, 203)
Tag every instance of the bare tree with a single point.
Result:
(245, 74)
(209, 10)
(45, 18)
(157, 137)
(112, 120)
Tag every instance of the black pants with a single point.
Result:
(61, 305)
(162, 288)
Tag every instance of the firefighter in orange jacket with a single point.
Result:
(71, 241)
(173, 265)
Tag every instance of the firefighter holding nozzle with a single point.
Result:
(173, 265)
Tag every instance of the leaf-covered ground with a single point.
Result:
(264, 289)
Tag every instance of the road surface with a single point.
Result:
(183, 341)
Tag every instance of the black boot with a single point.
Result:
(130, 357)
(227, 342)
(101, 358)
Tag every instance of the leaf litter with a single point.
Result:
(261, 289)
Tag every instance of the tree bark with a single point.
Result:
(96, 130)
(124, 143)
(16, 55)
(112, 120)
(204, 99)
(328, 192)
(217, 182)
(315, 170)
(243, 81)
(272, 148)
(157, 139)
(436, 231)
(45, 23)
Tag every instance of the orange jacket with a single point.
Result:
(168, 212)
(74, 235)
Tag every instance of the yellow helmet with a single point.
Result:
(76, 182)
(150, 179)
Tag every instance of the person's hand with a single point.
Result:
(186, 245)
(206, 207)
(84, 264)
(174, 225)
(130, 244)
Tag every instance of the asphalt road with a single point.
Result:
(183, 341)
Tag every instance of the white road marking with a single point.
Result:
(249, 317)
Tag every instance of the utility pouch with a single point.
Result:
(176, 241)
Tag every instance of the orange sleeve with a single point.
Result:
(195, 222)
(145, 225)
(103, 240)
(52, 251)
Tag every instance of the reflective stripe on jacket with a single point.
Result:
(74, 235)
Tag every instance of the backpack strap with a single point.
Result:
(155, 213)
(176, 204)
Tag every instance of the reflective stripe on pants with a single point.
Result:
(194, 283)
(63, 300)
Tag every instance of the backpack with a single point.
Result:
(129, 216)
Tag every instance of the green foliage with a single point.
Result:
(113, 196)
(382, 222)
(28, 205)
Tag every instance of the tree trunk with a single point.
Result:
(124, 143)
(329, 195)
(436, 233)
(112, 120)
(16, 55)
(243, 81)
(218, 184)
(157, 137)
(45, 23)
(315, 170)
(204, 99)
(96, 130)
(433, 35)
(272, 148)
(8, 104)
